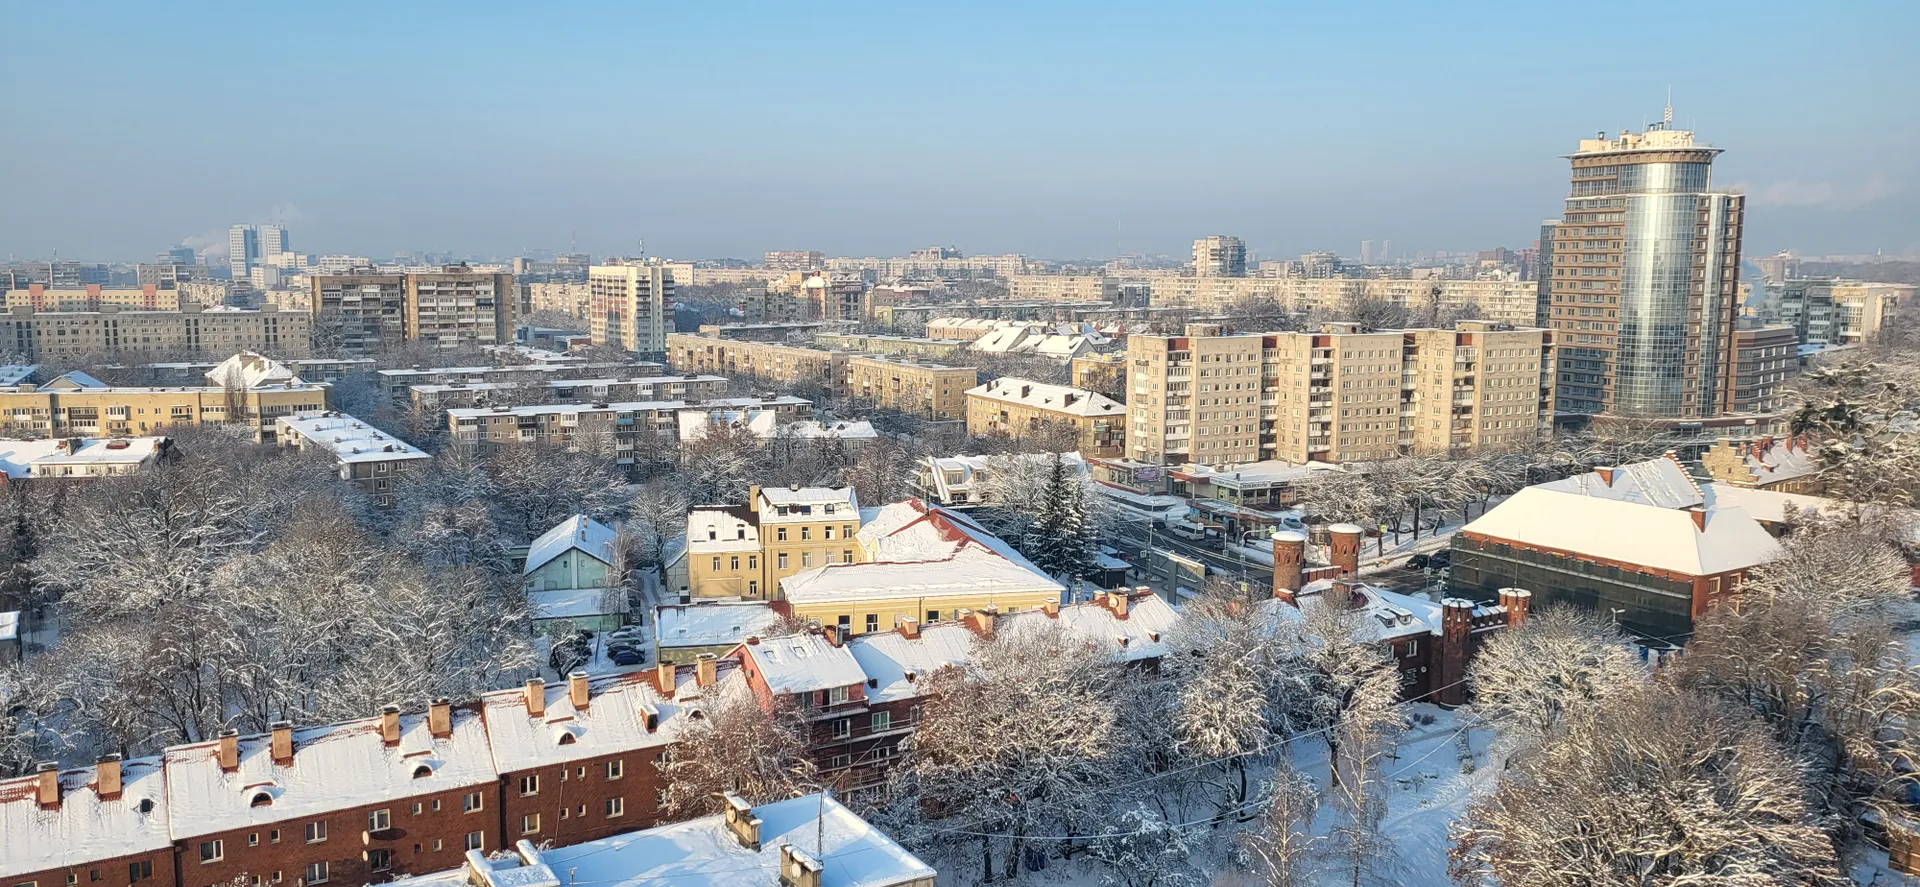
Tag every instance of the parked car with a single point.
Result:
(1435, 561)
(630, 633)
(627, 656)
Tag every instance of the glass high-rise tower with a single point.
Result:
(1644, 277)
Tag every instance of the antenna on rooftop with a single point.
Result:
(1669, 115)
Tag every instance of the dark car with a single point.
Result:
(627, 656)
(1435, 561)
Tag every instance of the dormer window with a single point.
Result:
(422, 771)
(567, 739)
(712, 534)
(261, 799)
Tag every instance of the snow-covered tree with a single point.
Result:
(1149, 851)
(1663, 788)
(880, 472)
(1359, 688)
(536, 486)
(659, 513)
(1228, 670)
(720, 466)
(1282, 845)
(737, 745)
(1525, 680)
(1060, 540)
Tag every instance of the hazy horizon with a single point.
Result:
(1058, 132)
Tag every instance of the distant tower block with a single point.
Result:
(1343, 548)
(1289, 551)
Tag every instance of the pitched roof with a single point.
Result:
(731, 528)
(614, 719)
(886, 657)
(1629, 532)
(85, 828)
(972, 571)
(711, 623)
(803, 663)
(1055, 398)
(335, 767)
(251, 370)
(1141, 635)
(579, 531)
(1660, 482)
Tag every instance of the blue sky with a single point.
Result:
(1058, 130)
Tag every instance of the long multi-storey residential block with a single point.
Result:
(761, 360)
(691, 387)
(397, 385)
(1023, 407)
(359, 313)
(631, 430)
(629, 305)
(1063, 287)
(1507, 301)
(1827, 312)
(112, 331)
(1338, 395)
(458, 307)
(368, 457)
(935, 391)
(148, 297)
(56, 410)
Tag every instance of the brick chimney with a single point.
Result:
(1699, 515)
(577, 694)
(535, 696)
(106, 783)
(1606, 473)
(1516, 600)
(981, 622)
(1067, 400)
(440, 718)
(1343, 548)
(706, 670)
(1051, 608)
(797, 868)
(282, 742)
(47, 785)
(1456, 633)
(390, 725)
(1289, 552)
(910, 628)
(742, 823)
(1116, 601)
(664, 675)
(753, 499)
(229, 750)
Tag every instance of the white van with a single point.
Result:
(1186, 529)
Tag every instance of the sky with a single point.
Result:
(1059, 130)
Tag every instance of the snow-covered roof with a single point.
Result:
(86, 828)
(1388, 614)
(711, 624)
(784, 504)
(1774, 460)
(1770, 506)
(1660, 482)
(810, 429)
(441, 388)
(1253, 475)
(614, 719)
(248, 369)
(1629, 532)
(636, 406)
(577, 532)
(17, 373)
(335, 767)
(886, 657)
(573, 603)
(1054, 398)
(9, 625)
(18, 457)
(913, 531)
(971, 572)
(721, 528)
(803, 663)
(694, 423)
(347, 438)
(1142, 635)
(704, 853)
(75, 379)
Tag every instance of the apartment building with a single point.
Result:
(458, 307)
(48, 411)
(1218, 255)
(365, 456)
(1337, 395)
(630, 305)
(1105, 373)
(1827, 312)
(637, 432)
(563, 297)
(1063, 288)
(359, 313)
(930, 390)
(794, 260)
(116, 332)
(817, 295)
(93, 297)
(397, 385)
(744, 551)
(761, 360)
(692, 388)
(903, 346)
(1023, 408)
(77, 457)
(169, 276)
(1764, 358)
(1506, 301)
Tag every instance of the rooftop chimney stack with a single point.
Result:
(47, 785)
(1051, 608)
(577, 694)
(106, 782)
(1117, 602)
(1699, 515)
(1516, 602)
(229, 753)
(1606, 474)
(664, 678)
(910, 629)
(440, 718)
(1289, 552)
(797, 868)
(706, 670)
(390, 725)
(282, 742)
(536, 697)
(742, 823)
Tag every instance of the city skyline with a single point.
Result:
(1075, 134)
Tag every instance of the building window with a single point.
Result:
(212, 851)
(753, 586)
(806, 534)
(933, 616)
(783, 560)
(716, 565)
(780, 535)
(379, 820)
(530, 784)
(753, 562)
(417, 808)
(842, 728)
(140, 871)
(273, 836)
(806, 559)
(529, 823)
(616, 807)
(379, 860)
(253, 839)
(616, 768)
(316, 832)
(316, 873)
(476, 840)
(873, 622)
(838, 761)
(882, 721)
(733, 563)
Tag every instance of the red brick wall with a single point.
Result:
(113, 872)
(342, 850)
(581, 789)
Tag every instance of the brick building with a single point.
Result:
(104, 826)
